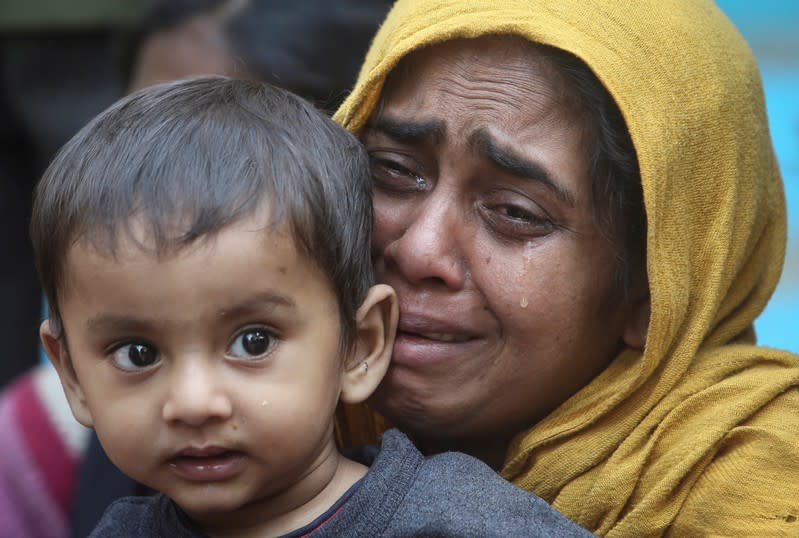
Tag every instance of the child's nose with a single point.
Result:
(196, 395)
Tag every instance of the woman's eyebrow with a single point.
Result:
(408, 131)
(517, 165)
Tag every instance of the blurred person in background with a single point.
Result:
(55, 479)
(56, 71)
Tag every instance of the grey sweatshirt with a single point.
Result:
(403, 494)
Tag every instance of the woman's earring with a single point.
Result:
(365, 367)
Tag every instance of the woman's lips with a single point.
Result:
(444, 337)
(211, 464)
(424, 340)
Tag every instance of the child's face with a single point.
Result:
(211, 375)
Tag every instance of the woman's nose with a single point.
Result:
(425, 248)
(196, 395)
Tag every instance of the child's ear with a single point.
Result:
(368, 360)
(58, 354)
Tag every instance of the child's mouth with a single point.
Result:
(212, 464)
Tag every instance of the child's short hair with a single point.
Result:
(189, 158)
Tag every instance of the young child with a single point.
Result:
(204, 246)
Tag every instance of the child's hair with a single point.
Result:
(189, 158)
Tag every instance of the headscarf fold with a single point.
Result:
(699, 434)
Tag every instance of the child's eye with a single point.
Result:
(251, 343)
(135, 356)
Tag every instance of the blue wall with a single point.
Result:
(772, 29)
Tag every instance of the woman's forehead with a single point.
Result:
(476, 74)
(473, 56)
(499, 89)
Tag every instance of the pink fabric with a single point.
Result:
(37, 473)
(46, 447)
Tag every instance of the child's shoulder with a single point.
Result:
(154, 515)
(450, 494)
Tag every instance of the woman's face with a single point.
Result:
(484, 225)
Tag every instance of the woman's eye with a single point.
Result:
(388, 174)
(251, 343)
(135, 356)
(516, 220)
(519, 214)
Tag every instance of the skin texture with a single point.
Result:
(271, 411)
(484, 226)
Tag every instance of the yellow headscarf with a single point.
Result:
(699, 434)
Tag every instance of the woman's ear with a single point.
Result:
(637, 324)
(369, 357)
(58, 354)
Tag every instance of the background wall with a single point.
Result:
(772, 29)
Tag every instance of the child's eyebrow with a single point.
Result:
(268, 300)
(115, 322)
(261, 301)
